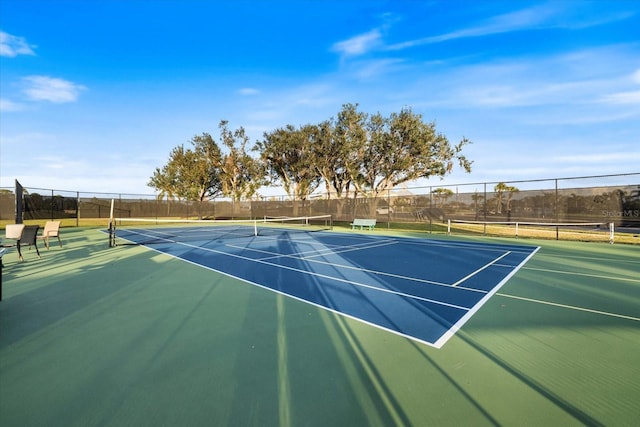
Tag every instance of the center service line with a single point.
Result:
(482, 268)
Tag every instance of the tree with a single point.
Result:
(336, 145)
(164, 181)
(441, 195)
(241, 174)
(288, 158)
(192, 175)
(349, 139)
(501, 188)
(403, 148)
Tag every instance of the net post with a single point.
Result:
(112, 234)
(112, 227)
(19, 203)
(611, 232)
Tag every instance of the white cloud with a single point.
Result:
(598, 158)
(248, 91)
(551, 15)
(12, 46)
(7, 106)
(44, 88)
(632, 97)
(358, 45)
(370, 69)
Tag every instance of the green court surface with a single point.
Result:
(98, 336)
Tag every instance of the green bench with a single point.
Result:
(363, 223)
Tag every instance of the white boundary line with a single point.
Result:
(349, 267)
(575, 273)
(453, 329)
(317, 253)
(323, 307)
(311, 273)
(571, 307)
(437, 344)
(480, 269)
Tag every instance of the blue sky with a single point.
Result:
(95, 94)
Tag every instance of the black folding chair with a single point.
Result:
(29, 237)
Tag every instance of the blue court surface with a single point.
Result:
(419, 288)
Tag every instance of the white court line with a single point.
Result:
(593, 258)
(571, 307)
(353, 248)
(322, 252)
(486, 247)
(350, 267)
(311, 273)
(481, 268)
(453, 329)
(438, 344)
(625, 279)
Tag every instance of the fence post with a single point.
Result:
(431, 209)
(388, 208)
(611, 232)
(557, 212)
(484, 227)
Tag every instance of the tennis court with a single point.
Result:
(162, 335)
(418, 288)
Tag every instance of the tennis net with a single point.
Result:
(592, 231)
(146, 231)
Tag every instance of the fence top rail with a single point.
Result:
(116, 195)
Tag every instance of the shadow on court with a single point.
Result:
(126, 336)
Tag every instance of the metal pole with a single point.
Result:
(611, 232)
(557, 213)
(485, 209)
(430, 210)
(388, 208)
(19, 202)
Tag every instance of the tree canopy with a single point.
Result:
(287, 154)
(206, 172)
(354, 151)
(191, 174)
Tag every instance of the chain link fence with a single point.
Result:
(595, 199)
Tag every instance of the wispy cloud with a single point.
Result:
(519, 20)
(12, 46)
(369, 69)
(544, 16)
(359, 44)
(51, 89)
(248, 91)
(632, 97)
(7, 106)
(601, 157)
